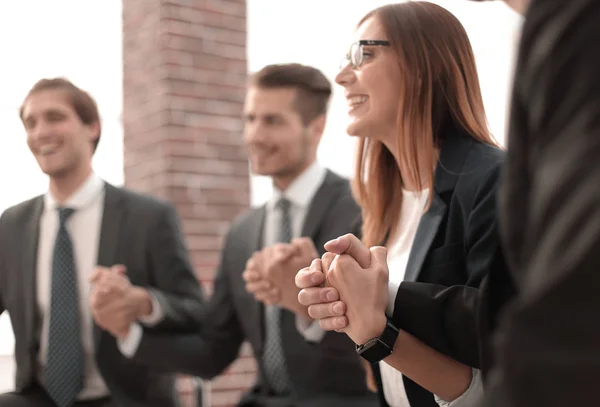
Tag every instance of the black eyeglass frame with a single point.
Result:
(357, 54)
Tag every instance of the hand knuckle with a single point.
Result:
(344, 260)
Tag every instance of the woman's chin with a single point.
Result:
(355, 129)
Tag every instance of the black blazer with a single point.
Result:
(455, 247)
(137, 231)
(324, 374)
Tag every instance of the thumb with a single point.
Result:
(306, 246)
(283, 252)
(97, 274)
(352, 246)
(378, 256)
(119, 269)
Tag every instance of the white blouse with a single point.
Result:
(413, 205)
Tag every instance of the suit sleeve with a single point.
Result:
(446, 318)
(207, 352)
(176, 288)
(549, 350)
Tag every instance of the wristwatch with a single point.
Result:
(381, 347)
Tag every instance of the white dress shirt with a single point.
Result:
(413, 205)
(300, 193)
(84, 228)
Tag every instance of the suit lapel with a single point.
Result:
(257, 225)
(453, 154)
(112, 220)
(256, 234)
(29, 263)
(428, 228)
(319, 206)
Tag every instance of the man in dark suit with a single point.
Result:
(50, 249)
(299, 364)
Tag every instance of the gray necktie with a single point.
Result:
(273, 357)
(63, 375)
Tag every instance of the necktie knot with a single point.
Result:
(285, 227)
(64, 214)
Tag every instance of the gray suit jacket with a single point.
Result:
(138, 231)
(324, 374)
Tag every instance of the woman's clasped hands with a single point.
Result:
(347, 289)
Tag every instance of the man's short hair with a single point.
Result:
(313, 88)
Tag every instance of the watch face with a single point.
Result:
(370, 343)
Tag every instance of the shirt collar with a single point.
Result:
(83, 197)
(302, 190)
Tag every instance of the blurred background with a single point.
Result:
(169, 76)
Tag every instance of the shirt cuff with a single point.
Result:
(157, 313)
(471, 397)
(310, 330)
(393, 292)
(130, 344)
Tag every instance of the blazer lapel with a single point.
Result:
(112, 219)
(453, 154)
(428, 228)
(255, 235)
(257, 226)
(29, 263)
(319, 206)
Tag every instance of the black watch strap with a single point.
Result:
(389, 335)
(381, 347)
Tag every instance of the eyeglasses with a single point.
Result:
(355, 56)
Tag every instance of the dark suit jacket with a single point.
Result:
(548, 344)
(455, 247)
(324, 374)
(137, 231)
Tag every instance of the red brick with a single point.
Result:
(184, 78)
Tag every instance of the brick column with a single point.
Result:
(184, 74)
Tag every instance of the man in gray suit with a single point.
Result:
(59, 248)
(299, 364)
